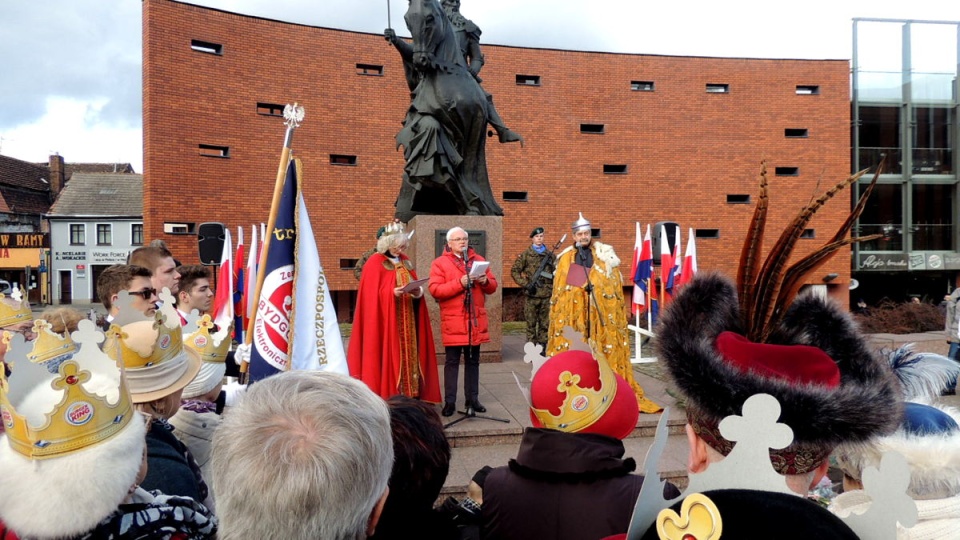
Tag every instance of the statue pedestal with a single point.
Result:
(486, 237)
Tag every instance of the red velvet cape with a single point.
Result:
(373, 355)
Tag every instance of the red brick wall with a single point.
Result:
(685, 149)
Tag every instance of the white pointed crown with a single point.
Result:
(49, 415)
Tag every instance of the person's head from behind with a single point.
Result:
(421, 459)
(195, 292)
(160, 262)
(304, 455)
(134, 279)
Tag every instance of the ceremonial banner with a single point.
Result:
(270, 353)
(318, 344)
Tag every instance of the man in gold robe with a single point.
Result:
(588, 297)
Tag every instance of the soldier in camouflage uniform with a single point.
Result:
(536, 309)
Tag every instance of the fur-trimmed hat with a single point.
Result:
(864, 404)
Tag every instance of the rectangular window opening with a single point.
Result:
(104, 234)
(77, 234)
(343, 159)
(179, 228)
(795, 133)
(594, 233)
(787, 171)
(270, 109)
(718, 88)
(808, 89)
(206, 47)
(515, 196)
(212, 150)
(369, 69)
(641, 86)
(528, 80)
(808, 233)
(599, 129)
(614, 169)
(348, 264)
(707, 233)
(136, 234)
(738, 199)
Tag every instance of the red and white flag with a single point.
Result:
(689, 268)
(666, 265)
(223, 301)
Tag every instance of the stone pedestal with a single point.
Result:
(486, 237)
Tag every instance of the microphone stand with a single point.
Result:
(468, 307)
(591, 294)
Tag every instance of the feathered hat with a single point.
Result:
(928, 436)
(72, 440)
(723, 342)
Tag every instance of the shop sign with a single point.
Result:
(81, 270)
(108, 257)
(888, 262)
(951, 261)
(70, 255)
(24, 240)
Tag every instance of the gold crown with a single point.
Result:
(581, 406)
(392, 228)
(212, 349)
(14, 308)
(166, 321)
(78, 418)
(50, 346)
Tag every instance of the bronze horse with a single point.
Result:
(444, 133)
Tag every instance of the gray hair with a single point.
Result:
(305, 455)
(388, 242)
(455, 229)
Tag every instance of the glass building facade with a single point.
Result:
(904, 108)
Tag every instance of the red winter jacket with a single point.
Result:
(445, 274)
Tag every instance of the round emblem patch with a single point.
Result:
(7, 418)
(200, 341)
(580, 403)
(165, 341)
(79, 413)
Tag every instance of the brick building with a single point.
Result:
(619, 137)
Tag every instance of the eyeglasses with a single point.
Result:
(458, 239)
(146, 294)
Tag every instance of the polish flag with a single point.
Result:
(223, 301)
(689, 268)
(666, 265)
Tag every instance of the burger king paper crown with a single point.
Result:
(14, 308)
(196, 335)
(577, 391)
(166, 322)
(49, 415)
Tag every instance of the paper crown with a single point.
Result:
(580, 223)
(576, 392)
(166, 321)
(151, 349)
(49, 415)
(50, 348)
(212, 348)
(14, 308)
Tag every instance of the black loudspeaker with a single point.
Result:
(210, 239)
(672, 229)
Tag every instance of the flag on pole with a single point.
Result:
(643, 271)
(689, 268)
(238, 284)
(318, 345)
(250, 281)
(223, 301)
(677, 261)
(295, 296)
(666, 264)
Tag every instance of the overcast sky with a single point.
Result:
(70, 69)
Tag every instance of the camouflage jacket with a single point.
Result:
(524, 268)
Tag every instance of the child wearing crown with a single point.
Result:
(73, 454)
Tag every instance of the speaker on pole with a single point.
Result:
(672, 229)
(210, 239)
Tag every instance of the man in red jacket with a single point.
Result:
(463, 319)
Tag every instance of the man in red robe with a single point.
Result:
(391, 345)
